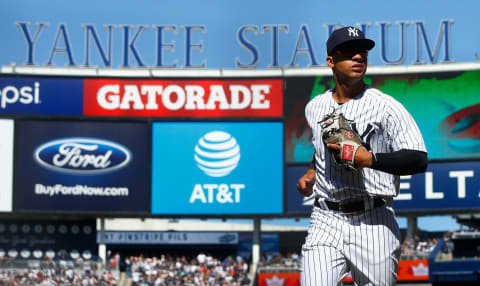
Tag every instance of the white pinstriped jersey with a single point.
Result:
(384, 125)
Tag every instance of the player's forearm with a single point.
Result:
(402, 162)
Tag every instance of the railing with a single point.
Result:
(277, 269)
(415, 255)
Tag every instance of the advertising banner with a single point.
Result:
(6, 165)
(34, 239)
(279, 278)
(451, 186)
(444, 187)
(413, 270)
(189, 34)
(184, 98)
(36, 95)
(217, 168)
(445, 106)
(161, 237)
(81, 167)
(297, 203)
(408, 270)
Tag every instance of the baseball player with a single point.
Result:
(353, 226)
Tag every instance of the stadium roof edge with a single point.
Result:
(274, 72)
(123, 224)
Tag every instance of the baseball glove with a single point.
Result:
(336, 129)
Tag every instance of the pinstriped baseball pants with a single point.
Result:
(367, 245)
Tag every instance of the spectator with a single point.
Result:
(163, 271)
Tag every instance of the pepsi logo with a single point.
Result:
(82, 156)
(217, 153)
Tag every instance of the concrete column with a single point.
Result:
(256, 243)
(102, 247)
(412, 229)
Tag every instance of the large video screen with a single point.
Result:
(445, 106)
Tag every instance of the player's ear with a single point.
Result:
(330, 61)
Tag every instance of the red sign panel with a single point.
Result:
(408, 270)
(184, 98)
(280, 279)
(413, 270)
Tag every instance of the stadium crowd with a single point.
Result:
(279, 261)
(417, 248)
(201, 270)
(52, 275)
(166, 270)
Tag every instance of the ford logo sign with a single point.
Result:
(82, 156)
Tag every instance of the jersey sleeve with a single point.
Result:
(309, 113)
(402, 130)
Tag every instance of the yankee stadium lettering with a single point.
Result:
(82, 155)
(162, 51)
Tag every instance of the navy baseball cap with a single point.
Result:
(348, 35)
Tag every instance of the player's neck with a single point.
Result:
(344, 92)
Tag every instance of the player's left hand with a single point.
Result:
(363, 158)
(336, 129)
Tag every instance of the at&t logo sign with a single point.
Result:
(217, 154)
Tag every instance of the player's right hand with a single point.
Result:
(306, 182)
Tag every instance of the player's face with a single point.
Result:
(349, 61)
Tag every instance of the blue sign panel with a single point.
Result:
(79, 167)
(444, 187)
(296, 202)
(49, 96)
(217, 168)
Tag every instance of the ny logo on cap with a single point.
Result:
(352, 32)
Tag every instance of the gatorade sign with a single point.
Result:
(184, 98)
